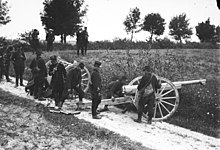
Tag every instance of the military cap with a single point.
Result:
(97, 64)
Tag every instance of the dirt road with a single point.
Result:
(159, 135)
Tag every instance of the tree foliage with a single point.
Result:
(4, 18)
(63, 16)
(132, 21)
(154, 24)
(205, 31)
(179, 27)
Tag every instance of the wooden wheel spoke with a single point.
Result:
(84, 74)
(83, 84)
(86, 79)
(168, 97)
(165, 107)
(160, 110)
(163, 89)
(167, 92)
(155, 110)
(168, 103)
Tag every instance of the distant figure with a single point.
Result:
(34, 40)
(50, 39)
(39, 73)
(1, 62)
(6, 61)
(95, 88)
(85, 40)
(147, 88)
(58, 73)
(79, 43)
(18, 59)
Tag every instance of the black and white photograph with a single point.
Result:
(109, 75)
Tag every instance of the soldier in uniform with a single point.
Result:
(58, 73)
(149, 81)
(74, 80)
(39, 73)
(79, 42)
(18, 59)
(115, 90)
(34, 40)
(85, 41)
(95, 87)
(6, 61)
(50, 39)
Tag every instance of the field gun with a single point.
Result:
(167, 97)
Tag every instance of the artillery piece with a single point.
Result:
(167, 97)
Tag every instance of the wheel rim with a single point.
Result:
(167, 99)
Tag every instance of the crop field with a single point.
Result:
(199, 105)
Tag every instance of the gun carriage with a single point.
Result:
(167, 97)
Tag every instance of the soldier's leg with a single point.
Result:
(80, 93)
(36, 84)
(7, 72)
(40, 88)
(151, 103)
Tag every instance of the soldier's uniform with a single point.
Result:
(34, 41)
(95, 88)
(50, 39)
(146, 80)
(79, 43)
(74, 79)
(6, 61)
(18, 59)
(39, 73)
(58, 72)
(85, 41)
(1, 64)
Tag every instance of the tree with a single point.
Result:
(63, 16)
(131, 21)
(154, 24)
(4, 18)
(179, 28)
(205, 31)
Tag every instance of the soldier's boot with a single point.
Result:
(138, 120)
(21, 82)
(16, 82)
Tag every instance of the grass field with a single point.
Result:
(199, 105)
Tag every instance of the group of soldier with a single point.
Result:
(82, 41)
(15, 54)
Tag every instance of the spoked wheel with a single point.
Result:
(167, 99)
(70, 66)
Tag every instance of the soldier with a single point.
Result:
(1, 63)
(18, 59)
(85, 41)
(147, 87)
(39, 73)
(50, 39)
(74, 80)
(79, 42)
(95, 87)
(34, 40)
(115, 90)
(58, 73)
(6, 61)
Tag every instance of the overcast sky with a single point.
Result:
(105, 18)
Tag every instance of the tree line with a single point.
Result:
(65, 17)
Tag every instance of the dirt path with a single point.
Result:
(159, 135)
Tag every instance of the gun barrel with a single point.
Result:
(200, 81)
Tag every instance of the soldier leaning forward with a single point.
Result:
(18, 59)
(6, 61)
(95, 88)
(58, 72)
(39, 73)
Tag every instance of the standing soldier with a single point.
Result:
(58, 73)
(18, 59)
(1, 63)
(34, 40)
(50, 39)
(95, 87)
(79, 42)
(146, 94)
(6, 61)
(85, 41)
(39, 73)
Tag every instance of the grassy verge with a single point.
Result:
(80, 129)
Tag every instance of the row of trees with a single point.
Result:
(65, 17)
(178, 27)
